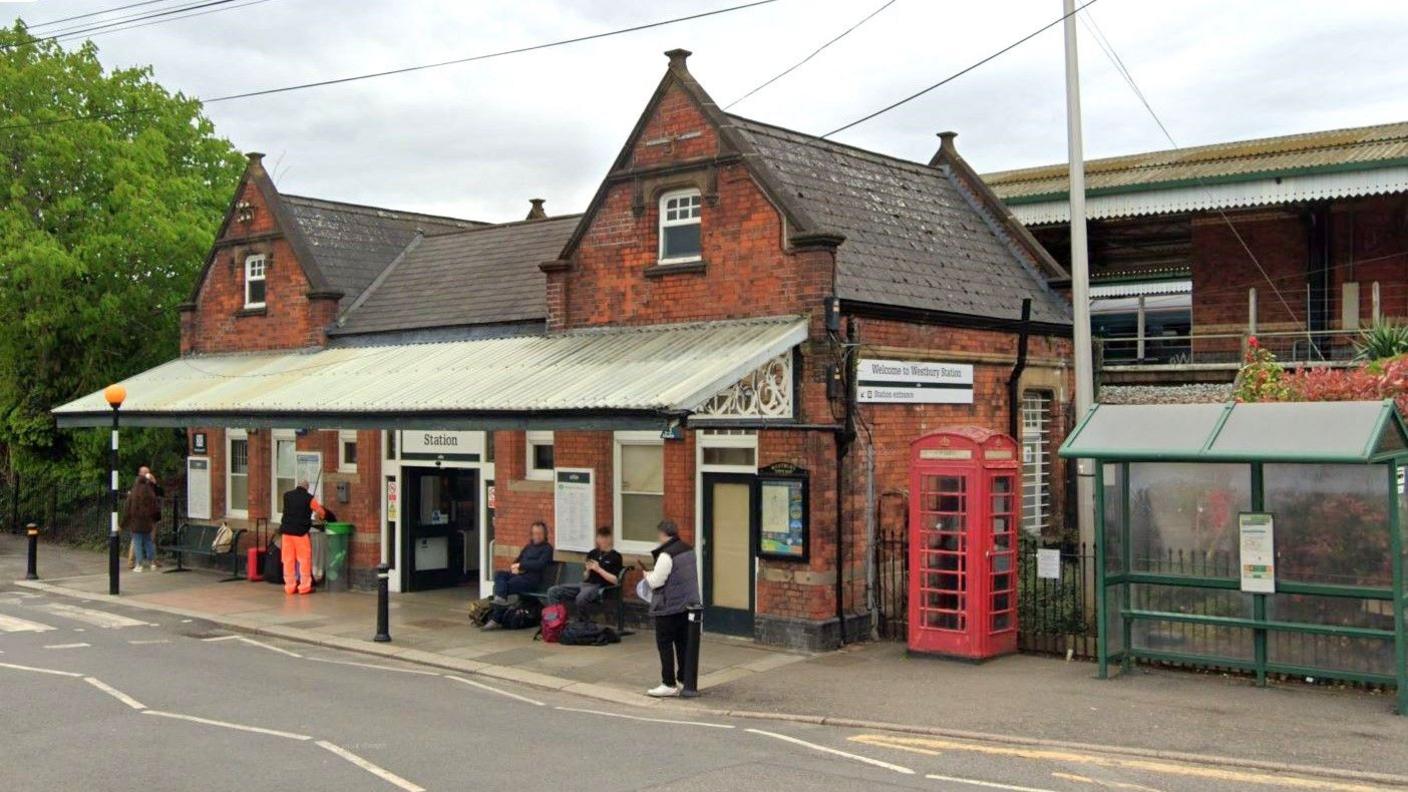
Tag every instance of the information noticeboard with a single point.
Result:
(782, 513)
(1257, 543)
(198, 488)
(574, 507)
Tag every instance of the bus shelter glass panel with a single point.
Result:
(1183, 517)
(1332, 526)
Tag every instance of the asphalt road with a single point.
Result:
(98, 696)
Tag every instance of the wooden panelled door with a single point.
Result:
(728, 553)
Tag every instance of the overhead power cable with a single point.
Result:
(113, 10)
(80, 30)
(813, 54)
(404, 69)
(961, 72)
(127, 27)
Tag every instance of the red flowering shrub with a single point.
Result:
(1264, 379)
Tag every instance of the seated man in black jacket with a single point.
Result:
(525, 573)
(602, 569)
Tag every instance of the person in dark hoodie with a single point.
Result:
(674, 587)
(524, 574)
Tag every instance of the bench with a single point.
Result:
(196, 540)
(562, 572)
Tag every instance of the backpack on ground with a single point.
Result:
(552, 622)
(273, 564)
(520, 616)
(479, 611)
(585, 633)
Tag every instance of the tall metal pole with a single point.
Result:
(113, 540)
(1080, 273)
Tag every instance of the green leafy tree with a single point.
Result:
(113, 188)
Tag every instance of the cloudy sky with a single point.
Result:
(477, 140)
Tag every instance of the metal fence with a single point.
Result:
(70, 514)
(1055, 612)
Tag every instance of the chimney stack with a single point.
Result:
(536, 213)
(677, 59)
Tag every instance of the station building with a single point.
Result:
(743, 332)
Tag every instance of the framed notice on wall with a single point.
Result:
(198, 488)
(574, 506)
(1257, 544)
(782, 513)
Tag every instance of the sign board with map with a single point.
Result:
(782, 513)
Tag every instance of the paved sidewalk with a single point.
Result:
(1021, 697)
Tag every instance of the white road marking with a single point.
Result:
(16, 624)
(988, 784)
(379, 772)
(68, 646)
(221, 638)
(647, 720)
(483, 686)
(115, 693)
(97, 618)
(373, 665)
(53, 671)
(228, 725)
(149, 641)
(270, 647)
(833, 751)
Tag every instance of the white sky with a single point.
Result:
(478, 140)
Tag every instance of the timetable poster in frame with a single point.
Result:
(574, 507)
(782, 513)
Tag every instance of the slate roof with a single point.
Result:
(487, 275)
(916, 237)
(353, 244)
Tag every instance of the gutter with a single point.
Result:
(1014, 379)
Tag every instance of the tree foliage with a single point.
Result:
(113, 188)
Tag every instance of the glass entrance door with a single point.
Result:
(1001, 555)
(441, 518)
(728, 553)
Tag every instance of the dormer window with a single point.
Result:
(679, 226)
(254, 290)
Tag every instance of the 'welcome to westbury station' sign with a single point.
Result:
(914, 382)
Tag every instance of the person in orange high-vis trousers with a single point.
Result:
(297, 521)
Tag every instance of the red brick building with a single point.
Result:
(706, 343)
(1301, 239)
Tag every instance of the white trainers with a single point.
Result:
(136, 569)
(663, 691)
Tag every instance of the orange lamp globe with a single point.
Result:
(115, 394)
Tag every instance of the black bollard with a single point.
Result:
(689, 675)
(31, 571)
(383, 603)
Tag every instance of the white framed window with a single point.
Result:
(237, 473)
(540, 456)
(680, 226)
(638, 461)
(254, 283)
(347, 451)
(284, 469)
(727, 450)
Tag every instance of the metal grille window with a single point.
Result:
(237, 484)
(1036, 461)
(254, 281)
(679, 226)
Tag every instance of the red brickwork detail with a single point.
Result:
(676, 131)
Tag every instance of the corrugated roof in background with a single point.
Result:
(1246, 159)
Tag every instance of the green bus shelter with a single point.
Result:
(1264, 538)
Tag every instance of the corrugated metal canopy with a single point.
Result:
(1312, 432)
(599, 378)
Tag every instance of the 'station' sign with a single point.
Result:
(914, 382)
(435, 444)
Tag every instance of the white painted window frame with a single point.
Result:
(251, 262)
(345, 436)
(635, 438)
(531, 439)
(275, 497)
(695, 217)
(231, 435)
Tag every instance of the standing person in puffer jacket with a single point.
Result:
(674, 585)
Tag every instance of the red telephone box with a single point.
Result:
(964, 505)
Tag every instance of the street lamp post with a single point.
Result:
(115, 395)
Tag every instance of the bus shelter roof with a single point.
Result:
(1310, 432)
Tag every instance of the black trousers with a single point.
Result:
(671, 637)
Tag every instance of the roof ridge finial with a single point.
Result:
(678, 57)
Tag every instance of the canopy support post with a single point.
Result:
(1102, 637)
(1400, 641)
(1259, 600)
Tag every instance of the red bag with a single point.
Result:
(554, 621)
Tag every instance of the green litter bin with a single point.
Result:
(339, 552)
